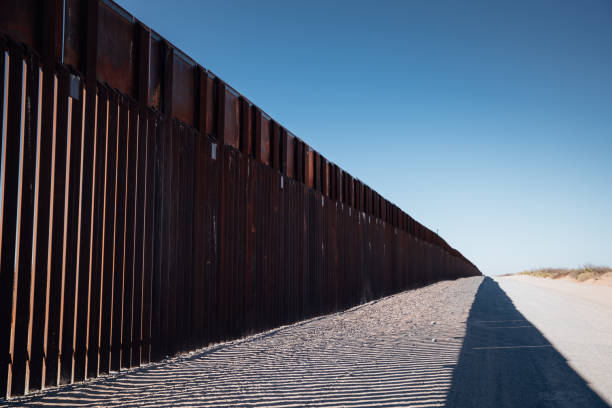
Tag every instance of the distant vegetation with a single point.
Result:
(579, 274)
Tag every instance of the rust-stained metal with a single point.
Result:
(184, 89)
(148, 208)
(309, 178)
(290, 154)
(117, 62)
(246, 126)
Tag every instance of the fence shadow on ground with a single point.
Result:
(367, 356)
(506, 362)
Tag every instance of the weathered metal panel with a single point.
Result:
(309, 167)
(299, 160)
(210, 99)
(317, 171)
(20, 19)
(275, 147)
(283, 150)
(117, 47)
(325, 177)
(183, 90)
(231, 117)
(290, 154)
(156, 70)
(246, 127)
(262, 137)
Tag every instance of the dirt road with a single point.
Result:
(576, 318)
(507, 361)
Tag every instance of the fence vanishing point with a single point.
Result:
(147, 208)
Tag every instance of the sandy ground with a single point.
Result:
(577, 320)
(379, 354)
(473, 342)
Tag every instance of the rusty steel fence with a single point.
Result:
(147, 208)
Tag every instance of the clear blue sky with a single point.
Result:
(490, 121)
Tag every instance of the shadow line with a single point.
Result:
(506, 362)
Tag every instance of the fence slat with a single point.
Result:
(24, 237)
(60, 174)
(129, 243)
(12, 119)
(107, 291)
(97, 234)
(139, 239)
(148, 238)
(70, 256)
(87, 194)
(44, 182)
(4, 277)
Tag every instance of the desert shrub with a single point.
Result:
(586, 275)
(588, 271)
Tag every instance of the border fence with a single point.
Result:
(147, 208)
